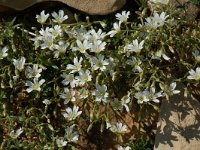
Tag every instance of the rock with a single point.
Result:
(179, 123)
(191, 10)
(93, 7)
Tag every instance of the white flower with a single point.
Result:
(77, 65)
(82, 46)
(124, 148)
(135, 46)
(153, 96)
(165, 2)
(118, 105)
(156, 21)
(83, 93)
(70, 135)
(123, 17)
(59, 17)
(45, 32)
(42, 17)
(19, 63)
(46, 39)
(37, 41)
(117, 128)
(169, 90)
(116, 27)
(34, 86)
(98, 46)
(47, 147)
(159, 54)
(47, 42)
(194, 75)
(160, 19)
(80, 34)
(84, 77)
(33, 72)
(61, 143)
(142, 97)
(71, 114)
(196, 55)
(111, 66)
(99, 35)
(46, 102)
(56, 31)
(60, 49)
(69, 79)
(99, 63)
(125, 100)
(172, 88)
(3, 52)
(68, 95)
(135, 62)
(17, 133)
(101, 93)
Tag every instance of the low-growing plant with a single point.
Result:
(76, 76)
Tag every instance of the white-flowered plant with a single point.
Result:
(155, 21)
(160, 54)
(15, 134)
(60, 49)
(46, 102)
(123, 103)
(194, 74)
(56, 31)
(135, 63)
(99, 35)
(82, 46)
(169, 89)
(69, 80)
(123, 17)
(77, 77)
(135, 46)
(72, 114)
(3, 52)
(68, 95)
(83, 93)
(70, 135)
(116, 29)
(124, 148)
(142, 97)
(196, 55)
(153, 96)
(59, 17)
(35, 85)
(19, 63)
(99, 63)
(42, 18)
(83, 77)
(117, 128)
(97, 46)
(165, 2)
(101, 94)
(61, 142)
(34, 72)
(76, 67)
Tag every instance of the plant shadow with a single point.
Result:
(179, 122)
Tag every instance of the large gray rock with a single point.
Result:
(94, 7)
(179, 124)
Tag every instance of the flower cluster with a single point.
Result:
(78, 75)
